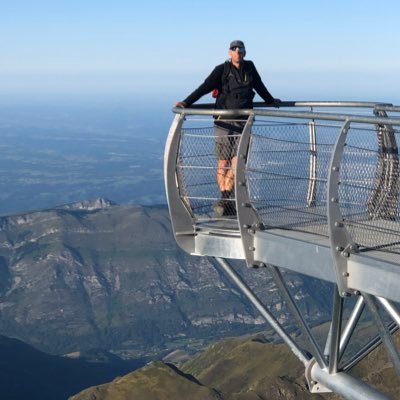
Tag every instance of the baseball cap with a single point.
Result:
(236, 43)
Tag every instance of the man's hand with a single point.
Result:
(277, 103)
(181, 104)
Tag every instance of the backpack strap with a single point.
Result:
(224, 77)
(227, 70)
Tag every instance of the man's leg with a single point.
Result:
(226, 148)
(222, 170)
(229, 186)
(229, 182)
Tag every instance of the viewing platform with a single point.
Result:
(316, 192)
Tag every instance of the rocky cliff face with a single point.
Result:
(95, 274)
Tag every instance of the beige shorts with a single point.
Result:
(227, 137)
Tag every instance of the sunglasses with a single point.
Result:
(238, 48)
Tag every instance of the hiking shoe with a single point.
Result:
(230, 209)
(219, 208)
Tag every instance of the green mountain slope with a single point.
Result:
(238, 369)
(248, 368)
(153, 382)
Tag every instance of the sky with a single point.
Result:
(162, 50)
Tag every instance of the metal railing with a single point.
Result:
(288, 166)
(316, 192)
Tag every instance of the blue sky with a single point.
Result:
(302, 49)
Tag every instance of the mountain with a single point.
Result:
(246, 368)
(234, 369)
(95, 274)
(154, 381)
(26, 373)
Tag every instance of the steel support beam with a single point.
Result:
(351, 324)
(267, 315)
(345, 385)
(383, 331)
(288, 298)
(336, 331)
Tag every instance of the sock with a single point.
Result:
(226, 194)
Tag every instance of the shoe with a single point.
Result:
(219, 208)
(230, 209)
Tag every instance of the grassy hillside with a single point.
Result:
(246, 368)
(235, 369)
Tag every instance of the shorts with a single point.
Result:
(227, 137)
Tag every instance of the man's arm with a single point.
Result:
(210, 83)
(260, 87)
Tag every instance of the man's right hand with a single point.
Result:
(181, 104)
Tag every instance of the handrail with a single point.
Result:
(287, 114)
(305, 103)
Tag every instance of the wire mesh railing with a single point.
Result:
(369, 188)
(199, 168)
(287, 171)
(283, 163)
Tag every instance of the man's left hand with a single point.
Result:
(277, 103)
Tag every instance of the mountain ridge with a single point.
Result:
(242, 368)
(97, 274)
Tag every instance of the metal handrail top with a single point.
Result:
(270, 110)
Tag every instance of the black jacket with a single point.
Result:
(235, 81)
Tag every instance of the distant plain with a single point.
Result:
(68, 150)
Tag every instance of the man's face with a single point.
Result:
(236, 53)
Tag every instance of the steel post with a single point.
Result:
(336, 330)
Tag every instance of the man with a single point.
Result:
(234, 82)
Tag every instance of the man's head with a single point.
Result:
(237, 51)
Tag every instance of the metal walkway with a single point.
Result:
(317, 193)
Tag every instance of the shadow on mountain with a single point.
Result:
(26, 373)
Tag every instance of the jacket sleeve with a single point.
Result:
(260, 87)
(210, 83)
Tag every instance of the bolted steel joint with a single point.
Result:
(346, 254)
(260, 226)
(354, 248)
